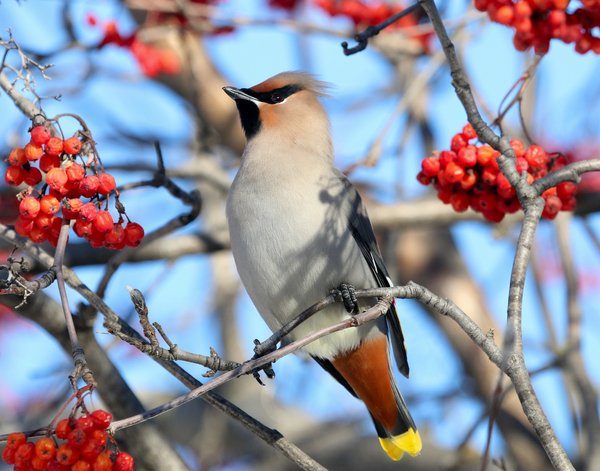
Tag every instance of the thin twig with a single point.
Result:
(81, 368)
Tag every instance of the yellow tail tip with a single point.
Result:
(409, 442)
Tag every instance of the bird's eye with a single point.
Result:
(276, 98)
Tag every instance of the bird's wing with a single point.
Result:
(360, 226)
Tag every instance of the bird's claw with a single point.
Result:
(267, 368)
(347, 295)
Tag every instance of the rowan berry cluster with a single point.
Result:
(151, 59)
(57, 182)
(468, 175)
(76, 444)
(536, 22)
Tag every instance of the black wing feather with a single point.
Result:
(363, 234)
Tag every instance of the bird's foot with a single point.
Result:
(259, 351)
(346, 294)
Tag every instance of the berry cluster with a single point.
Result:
(152, 60)
(63, 183)
(76, 444)
(367, 13)
(467, 175)
(536, 22)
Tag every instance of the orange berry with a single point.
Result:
(72, 145)
(89, 186)
(82, 466)
(71, 208)
(17, 157)
(106, 183)
(49, 204)
(49, 161)
(29, 207)
(33, 152)
(66, 455)
(14, 175)
(54, 146)
(56, 178)
(45, 448)
(75, 172)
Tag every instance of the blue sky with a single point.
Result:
(119, 97)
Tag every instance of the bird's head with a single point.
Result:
(286, 105)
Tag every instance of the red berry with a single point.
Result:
(124, 462)
(536, 157)
(43, 221)
(54, 146)
(63, 428)
(23, 226)
(468, 180)
(566, 190)
(14, 175)
(48, 162)
(29, 207)
(40, 135)
(504, 15)
(467, 156)
(83, 228)
(458, 142)
(454, 172)
(101, 418)
(88, 212)
(39, 464)
(8, 455)
(115, 238)
(493, 215)
(56, 178)
(459, 202)
(89, 186)
(71, 208)
(45, 448)
(75, 172)
(25, 452)
(106, 183)
(72, 145)
(76, 437)
(103, 222)
(17, 157)
(103, 462)
(446, 157)
(37, 235)
(134, 233)
(489, 175)
(32, 176)
(14, 440)
(49, 204)
(485, 155)
(66, 455)
(423, 179)
(430, 166)
(82, 466)
(552, 207)
(468, 132)
(33, 152)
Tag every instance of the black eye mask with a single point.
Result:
(274, 96)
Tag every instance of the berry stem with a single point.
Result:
(81, 369)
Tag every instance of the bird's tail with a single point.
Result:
(367, 372)
(404, 436)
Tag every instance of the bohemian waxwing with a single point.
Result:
(298, 230)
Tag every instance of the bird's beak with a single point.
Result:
(237, 94)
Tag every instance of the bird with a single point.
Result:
(298, 229)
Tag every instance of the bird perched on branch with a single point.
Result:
(298, 229)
